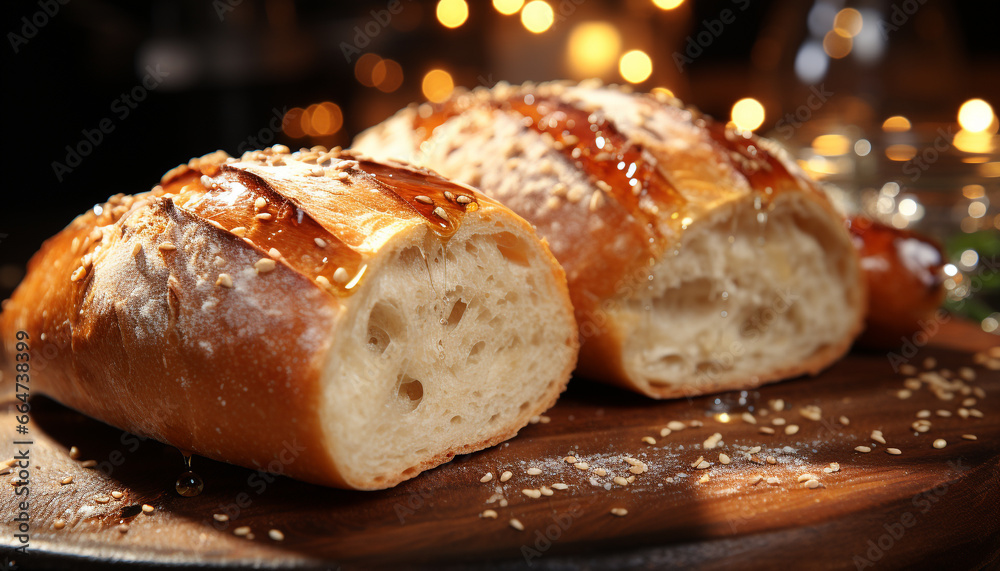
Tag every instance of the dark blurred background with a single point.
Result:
(889, 100)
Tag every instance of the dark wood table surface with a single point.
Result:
(923, 508)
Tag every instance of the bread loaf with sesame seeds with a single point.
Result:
(699, 259)
(351, 322)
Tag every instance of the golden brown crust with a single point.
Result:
(157, 314)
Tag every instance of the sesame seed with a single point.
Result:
(620, 512)
(904, 394)
(772, 480)
(834, 467)
(777, 405)
(970, 437)
(664, 432)
(765, 430)
(224, 280)
(930, 363)
(321, 280)
(274, 253)
(979, 392)
(912, 383)
(894, 451)
(66, 480)
(676, 425)
(748, 418)
(600, 472)
(261, 202)
(812, 412)
(166, 247)
(724, 459)
(863, 449)
(320, 242)
(516, 524)
(771, 460)
(969, 402)
(704, 478)
(74, 452)
(533, 471)
(102, 499)
(220, 517)
(812, 484)
(340, 276)
(778, 422)
(943, 413)
(59, 523)
(276, 535)
(505, 476)
(88, 463)
(967, 373)
(698, 461)
(649, 440)
(924, 414)
(940, 443)
(77, 274)
(640, 469)
(147, 509)
(844, 420)
(560, 486)
(532, 493)
(117, 495)
(975, 412)
(440, 213)
(806, 477)
(241, 530)
(264, 265)
(487, 477)
(877, 436)
(703, 465)
(488, 514)
(263, 216)
(757, 478)
(570, 460)
(136, 248)
(908, 369)
(620, 481)
(239, 231)
(463, 199)
(791, 429)
(546, 491)
(696, 424)
(712, 441)
(582, 465)
(921, 425)
(423, 199)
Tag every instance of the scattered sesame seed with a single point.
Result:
(321, 280)
(778, 421)
(834, 467)
(863, 449)
(930, 363)
(975, 412)
(59, 523)
(969, 402)
(649, 440)
(979, 392)
(340, 276)
(546, 491)
(533, 471)
(274, 253)
(970, 437)
(136, 248)
(748, 418)
(440, 213)
(261, 202)
(600, 472)
(423, 199)
(241, 530)
(698, 461)
(488, 514)
(912, 383)
(66, 480)
(943, 413)
(696, 423)
(771, 460)
(117, 495)
(582, 465)
(921, 425)
(516, 524)
(487, 477)
(712, 441)
(620, 512)
(264, 265)
(570, 460)
(220, 517)
(877, 436)
(620, 481)
(724, 459)
(74, 452)
(772, 480)
(463, 199)
(765, 430)
(754, 450)
(239, 231)
(777, 405)
(844, 420)
(102, 499)
(757, 478)
(263, 216)
(812, 484)
(924, 414)
(224, 280)
(276, 535)
(791, 429)
(505, 476)
(704, 464)
(147, 509)
(812, 412)
(967, 373)
(77, 274)
(167, 246)
(676, 425)
(88, 463)
(704, 478)
(560, 486)
(806, 477)
(940, 443)
(664, 432)
(907, 369)
(894, 451)
(532, 493)
(904, 394)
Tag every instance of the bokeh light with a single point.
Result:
(831, 145)
(836, 45)
(667, 4)
(508, 7)
(452, 13)
(437, 85)
(537, 16)
(291, 124)
(387, 75)
(364, 67)
(635, 66)
(748, 114)
(847, 22)
(900, 153)
(593, 48)
(322, 119)
(896, 124)
(975, 115)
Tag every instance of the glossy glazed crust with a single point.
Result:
(604, 228)
(150, 314)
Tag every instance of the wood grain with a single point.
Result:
(929, 508)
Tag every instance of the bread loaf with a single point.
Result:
(699, 258)
(370, 320)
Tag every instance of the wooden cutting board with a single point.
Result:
(926, 507)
